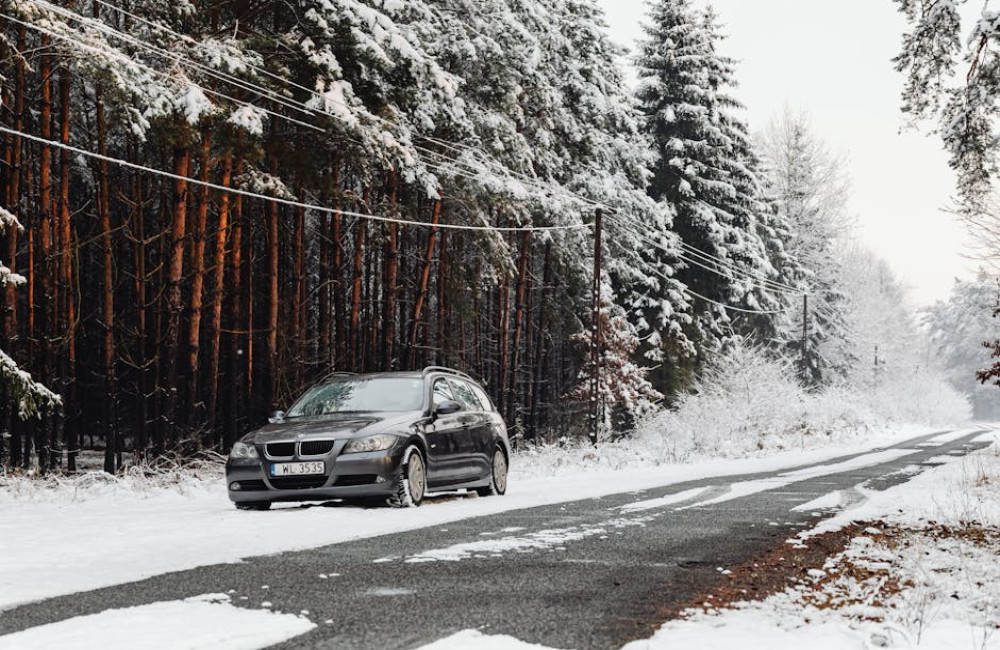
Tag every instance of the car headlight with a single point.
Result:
(243, 451)
(371, 443)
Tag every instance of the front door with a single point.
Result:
(444, 440)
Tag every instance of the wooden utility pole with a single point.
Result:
(805, 337)
(595, 334)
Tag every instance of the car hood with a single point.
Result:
(340, 426)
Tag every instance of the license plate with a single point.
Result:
(297, 469)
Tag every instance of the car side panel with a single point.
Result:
(445, 439)
(478, 434)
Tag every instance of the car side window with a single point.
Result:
(442, 391)
(483, 397)
(465, 395)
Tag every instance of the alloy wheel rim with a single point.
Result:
(415, 474)
(500, 471)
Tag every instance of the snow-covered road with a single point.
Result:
(65, 542)
(464, 552)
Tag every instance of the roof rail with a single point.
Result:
(447, 371)
(335, 373)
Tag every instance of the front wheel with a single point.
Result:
(498, 476)
(410, 481)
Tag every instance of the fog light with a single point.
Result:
(234, 486)
(380, 479)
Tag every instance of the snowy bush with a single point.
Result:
(743, 399)
(749, 403)
(142, 481)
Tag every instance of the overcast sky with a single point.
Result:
(832, 60)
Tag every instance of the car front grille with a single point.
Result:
(280, 449)
(315, 447)
(299, 482)
(252, 485)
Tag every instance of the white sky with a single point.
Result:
(832, 60)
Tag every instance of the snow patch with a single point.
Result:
(206, 621)
(476, 639)
(668, 500)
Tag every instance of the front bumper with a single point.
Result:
(350, 475)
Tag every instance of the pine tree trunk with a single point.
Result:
(68, 290)
(325, 323)
(442, 282)
(503, 343)
(522, 279)
(391, 281)
(273, 305)
(142, 314)
(541, 346)
(370, 347)
(425, 275)
(359, 248)
(108, 312)
(236, 356)
(42, 445)
(13, 204)
(339, 308)
(194, 404)
(299, 297)
(218, 291)
(175, 305)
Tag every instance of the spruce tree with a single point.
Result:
(705, 170)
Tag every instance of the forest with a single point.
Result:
(210, 205)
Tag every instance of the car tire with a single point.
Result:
(254, 505)
(498, 476)
(410, 480)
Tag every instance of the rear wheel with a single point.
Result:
(410, 481)
(254, 505)
(498, 476)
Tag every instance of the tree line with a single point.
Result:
(223, 202)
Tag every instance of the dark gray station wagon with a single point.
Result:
(395, 435)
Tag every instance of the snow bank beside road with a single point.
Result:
(924, 576)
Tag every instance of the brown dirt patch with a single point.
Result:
(769, 573)
(789, 566)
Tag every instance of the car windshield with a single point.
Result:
(350, 395)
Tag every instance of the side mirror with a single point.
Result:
(447, 407)
(277, 417)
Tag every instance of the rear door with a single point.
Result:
(476, 440)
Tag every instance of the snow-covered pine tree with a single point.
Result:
(966, 112)
(959, 326)
(807, 186)
(25, 396)
(705, 169)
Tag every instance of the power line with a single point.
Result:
(283, 201)
(688, 290)
(727, 264)
(482, 157)
(458, 168)
(681, 255)
(183, 80)
(109, 30)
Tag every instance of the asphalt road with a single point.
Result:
(585, 574)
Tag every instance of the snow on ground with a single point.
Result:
(475, 639)
(925, 576)
(123, 534)
(209, 622)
